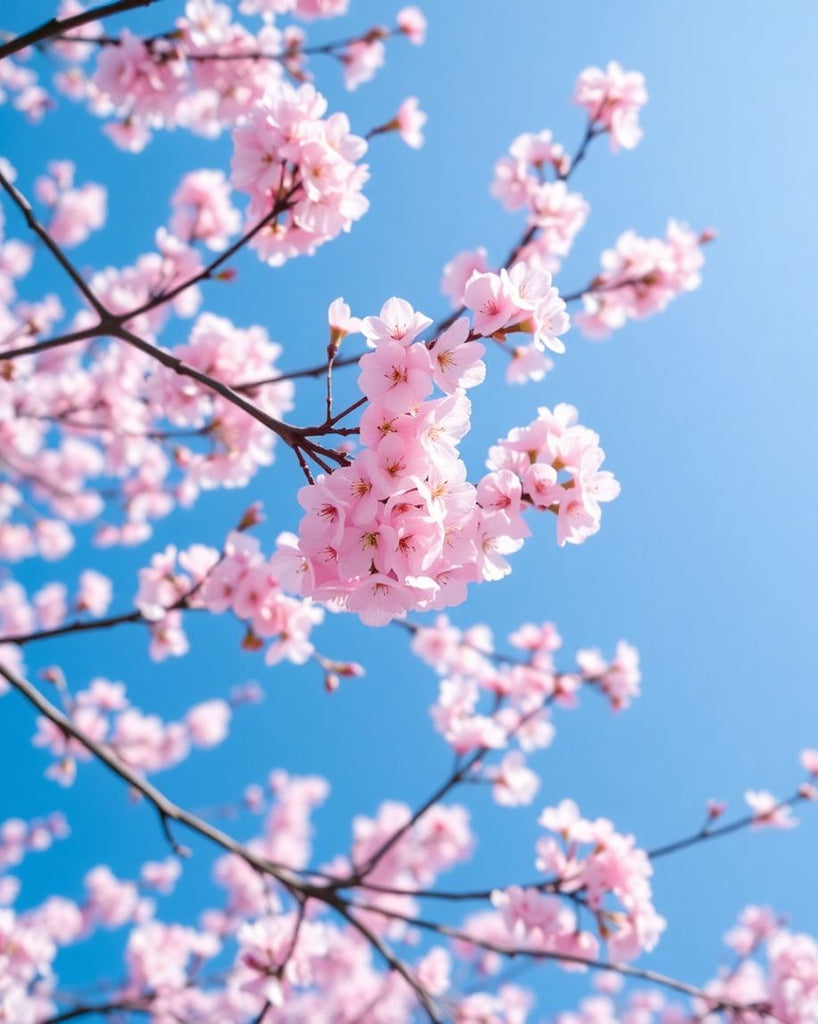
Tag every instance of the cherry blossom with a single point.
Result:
(613, 99)
(126, 396)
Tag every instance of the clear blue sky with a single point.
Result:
(708, 561)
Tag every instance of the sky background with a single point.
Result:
(707, 562)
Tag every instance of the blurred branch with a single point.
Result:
(57, 26)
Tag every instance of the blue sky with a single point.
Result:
(707, 562)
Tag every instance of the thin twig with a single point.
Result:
(663, 980)
(395, 963)
(98, 1009)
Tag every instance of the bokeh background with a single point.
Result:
(707, 562)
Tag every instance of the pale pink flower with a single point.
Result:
(514, 784)
(161, 875)
(412, 22)
(94, 594)
(341, 322)
(456, 361)
(202, 209)
(459, 270)
(486, 295)
(768, 811)
(361, 59)
(410, 120)
(397, 321)
(434, 971)
(207, 723)
(528, 362)
(613, 99)
(809, 761)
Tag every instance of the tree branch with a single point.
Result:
(554, 884)
(101, 1009)
(22, 639)
(56, 26)
(395, 963)
(24, 206)
(165, 808)
(653, 977)
(531, 231)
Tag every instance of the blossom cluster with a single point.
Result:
(143, 742)
(553, 464)
(75, 211)
(239, 580)
(521, 299)
(203, 210)
(640, 276)
(774, 974)
(20, 85)
(555, 214)
(18, 838)
(30, 940)
(527, 362)
(81, 418)
(613, 99)
(300, 170)
(776, 970)
(611, 881)
(401, 528)
(204, 75)
(49, 606)
(611, 866)
(489, 701)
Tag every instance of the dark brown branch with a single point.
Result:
(653, 977)
(335, 48)
(73, 627)
(553, 884)
(722, 830)
(24, 206)
(456, 777)
(57, 26)
(42, 346)
(166, 809)
(82, 626)
(97, 1009)
(280, 206)
(591, 131)
(283, 430)
(394, 962)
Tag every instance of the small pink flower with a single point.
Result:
(486, 295)
(410, 120)
(207, 723)
(768, 811)
(341, 322)
(456, 361)
(412, 23)
(95, 593)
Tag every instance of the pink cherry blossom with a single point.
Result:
(412, 22)
(768, 811)
(613, 99)
(410, 121)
